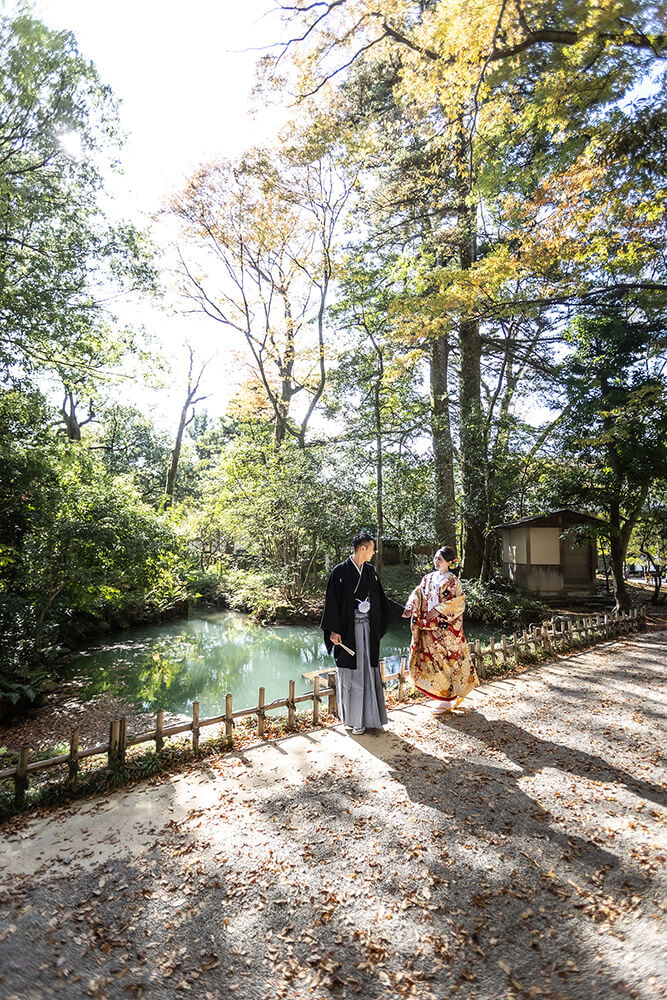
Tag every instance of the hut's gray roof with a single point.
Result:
(554, 518)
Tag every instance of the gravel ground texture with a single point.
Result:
(514, 850)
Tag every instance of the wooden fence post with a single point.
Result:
(21, 776)
(73, 760)
(505, 654)
(479, 660)
(195, 727)
(122, 741)
(316, 700)
(159, 726)
(331, 684)
(113, 742)
(515, 644)
(229, 722)
(606, 626)
(492, 649)
(383, 674)
(547, 644)
(261, 714)
(533, 631)
(401, 680)
(116, 752)
(568, 632)
(291, 707)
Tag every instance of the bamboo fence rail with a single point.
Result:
(558, 635)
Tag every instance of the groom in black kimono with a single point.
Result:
(357, 613)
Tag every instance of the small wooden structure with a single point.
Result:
(536, 557)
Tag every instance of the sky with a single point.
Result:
(183, 74)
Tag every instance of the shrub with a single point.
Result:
(508, 609)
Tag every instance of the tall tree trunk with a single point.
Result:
(377, 409)
(443, 450)
(473, 458)
(619, 539)
(190, 399)
(172, 471)
(617, 559)
(286, 373)
(619, 535)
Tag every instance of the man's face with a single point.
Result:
(368, 551)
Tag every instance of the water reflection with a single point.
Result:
(206, 656)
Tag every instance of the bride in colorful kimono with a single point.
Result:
(440, 663)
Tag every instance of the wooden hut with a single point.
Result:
(536, 558)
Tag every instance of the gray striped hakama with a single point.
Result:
(359, 694)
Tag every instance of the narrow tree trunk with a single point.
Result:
(443, 451)
(190, 400)
(617, 559)
(473, 458)
(286, 374)
(172, 471)
(377, 407)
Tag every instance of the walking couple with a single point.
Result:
(357, 613)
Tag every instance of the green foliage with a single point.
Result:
(131, 446)
(284, 507)
(55, 244)
(78, 547)
(616, 422)
(505, 609)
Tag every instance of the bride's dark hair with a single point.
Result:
(447, 553)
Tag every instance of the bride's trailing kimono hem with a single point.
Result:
(436, 697)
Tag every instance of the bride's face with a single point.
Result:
(440, 563)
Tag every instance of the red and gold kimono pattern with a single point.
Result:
(440, 664)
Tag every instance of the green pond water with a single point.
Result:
(208, 655)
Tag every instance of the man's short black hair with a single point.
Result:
(363, 538)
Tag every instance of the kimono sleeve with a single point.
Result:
(454, 608)
(331, 616)
(413, 600)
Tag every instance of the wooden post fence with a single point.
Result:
(159, 725)
(195, 727)
(316, 700)
(557, 635)
(402, 676)
(291, 707)
(261, 714)
(117, 742)
(21, 778)
(229, 721)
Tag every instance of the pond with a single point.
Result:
(208, 655)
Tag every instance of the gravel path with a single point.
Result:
(516, 850)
